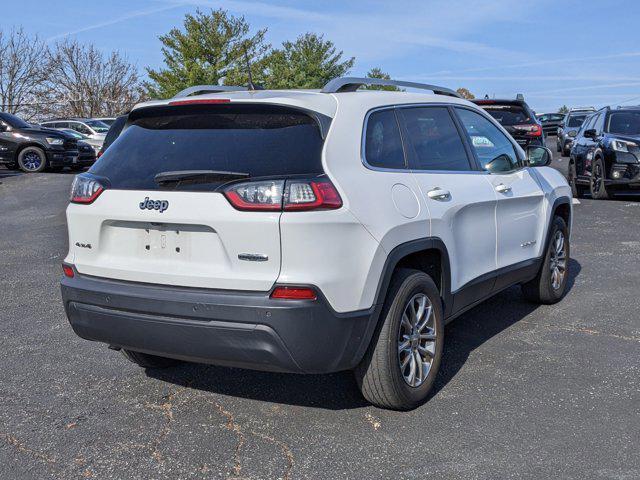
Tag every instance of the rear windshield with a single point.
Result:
(624, 123)
(259, 140)
(508, 114)
(576, 121)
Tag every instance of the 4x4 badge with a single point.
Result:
(160, 205)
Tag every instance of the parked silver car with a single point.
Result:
(90, 127)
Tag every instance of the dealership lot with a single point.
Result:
(524, 391)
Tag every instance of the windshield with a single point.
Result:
(576, 121)
(13, 121)
(507, 114)
(260, 140)
(624, 123)
(98, 126)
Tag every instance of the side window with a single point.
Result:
(599, 123)
(433, 141)
(78, 127)
(383, 143)
(495, 151)
(589, 123)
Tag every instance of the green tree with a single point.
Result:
(209, 49)
(563, 109)
(377, 72)
(309, 62)
(465, 93)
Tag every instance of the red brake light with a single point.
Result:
(530, 130)
(85, 189)
(294, 293)
(278, 195)
(200, 101)
(67, 270)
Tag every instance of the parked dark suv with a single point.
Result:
(550, 122)
(568, 130)
(606, 153)
(517, 118)
(33, 149)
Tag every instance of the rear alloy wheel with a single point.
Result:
(32, 160)
(576, 190)
(551, 282)
(598, 177)
(399, 369)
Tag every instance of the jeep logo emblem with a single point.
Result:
(160, 205)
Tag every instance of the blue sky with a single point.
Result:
(555, 52)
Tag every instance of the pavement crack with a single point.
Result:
(167, 409)
(286, 452)
(24, 449)
(234, 427)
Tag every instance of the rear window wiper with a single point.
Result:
(197, 176)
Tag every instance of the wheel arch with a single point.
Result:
(426, 254)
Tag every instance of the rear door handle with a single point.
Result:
(438, 194)
(502, 188)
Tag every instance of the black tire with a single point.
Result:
(576, 190)
(565, 152)
(380, 375)
(541, 288)
(598, 175)
(146, 360)
(27, 161)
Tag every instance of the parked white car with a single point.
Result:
(310, 231)
(91, 128)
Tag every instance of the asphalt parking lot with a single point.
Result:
(525, 391)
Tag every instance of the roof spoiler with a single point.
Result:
(351, 84)
(208, 89)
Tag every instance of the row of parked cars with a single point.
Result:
(54, 144)
(603, 147)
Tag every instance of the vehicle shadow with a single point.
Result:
(339, 391)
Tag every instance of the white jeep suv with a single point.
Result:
(310, 231)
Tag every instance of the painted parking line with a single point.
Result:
(576, 201)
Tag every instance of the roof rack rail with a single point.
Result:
(208, 89)
(351, 84)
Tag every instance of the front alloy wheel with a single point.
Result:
(558, 260)
(598, 177)
(32, 160)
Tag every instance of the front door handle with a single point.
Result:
(502, 188)
(438, 194)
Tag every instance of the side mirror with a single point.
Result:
(591, 133)
(538, 156)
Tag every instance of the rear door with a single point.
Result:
(460, 200)
(520, 200)
(187, 233)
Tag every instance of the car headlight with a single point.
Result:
(622, 145)
(572, 133)
(55, 141)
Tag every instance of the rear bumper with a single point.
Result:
(238, 329)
